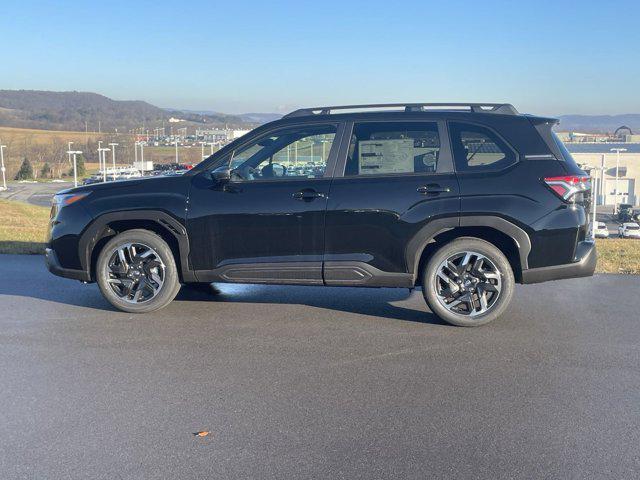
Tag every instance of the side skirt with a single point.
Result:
(348, 274)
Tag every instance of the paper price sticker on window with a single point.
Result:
(385, 156)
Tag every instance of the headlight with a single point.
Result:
(62, 200)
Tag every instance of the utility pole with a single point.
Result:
(615, 200)
(2, 169)
(135, 152)
(113, 157)
(176, 143)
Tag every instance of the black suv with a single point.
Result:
(464, 200)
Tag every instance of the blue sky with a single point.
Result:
(546, 57)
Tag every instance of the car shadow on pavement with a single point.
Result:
(375, 302)
(26, 276)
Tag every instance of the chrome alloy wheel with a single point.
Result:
(135, 272)
(468, 283)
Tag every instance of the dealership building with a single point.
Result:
(602, 167)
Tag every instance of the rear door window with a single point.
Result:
(393, 148)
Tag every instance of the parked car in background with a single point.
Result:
(91, 180)
(601, 230)
(625, 212)
(630, 230)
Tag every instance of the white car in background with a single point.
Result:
(630, 230)
(601, 230)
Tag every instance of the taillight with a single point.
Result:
(567, 187)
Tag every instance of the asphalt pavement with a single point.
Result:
(311, 382)
(36, 193)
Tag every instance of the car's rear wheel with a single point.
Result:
(468, 282)
(137, 273)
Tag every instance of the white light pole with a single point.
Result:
(2, 169)
(617, 150)
(69, 151)
(75, 165)
(594, 193)
(202, 153)
(176, 143)
(103, 160)
(99, 156)
(135, 152)
(113, 157)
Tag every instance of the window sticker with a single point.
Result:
(385, 156)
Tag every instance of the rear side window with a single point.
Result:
(566, 155)
(392, 148)
(477, 149)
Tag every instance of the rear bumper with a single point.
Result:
(584, 266)
(53, 265)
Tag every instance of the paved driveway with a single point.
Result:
(302, 382)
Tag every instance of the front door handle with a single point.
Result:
(432, 189)
(308, 194)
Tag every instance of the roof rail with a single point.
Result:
(502, 108)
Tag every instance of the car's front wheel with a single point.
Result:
(136, 272)
(468, 282)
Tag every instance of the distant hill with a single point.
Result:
(260, 117)
(598, 123)
(75, 110)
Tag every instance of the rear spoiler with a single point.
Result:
(536, 120)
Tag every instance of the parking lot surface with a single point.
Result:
(35, 193)
(307, 382)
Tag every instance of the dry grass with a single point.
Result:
(20, 135)
(22, 227)
(618, 255)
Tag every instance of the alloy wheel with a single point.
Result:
(468, 283)
(135, 272)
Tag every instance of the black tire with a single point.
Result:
(460, 246)
(167, 290)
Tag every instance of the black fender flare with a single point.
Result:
(426, 234)
(94, 230)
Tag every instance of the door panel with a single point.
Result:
(397, 179)
(372, 221)
(254, 224)
(266, 224)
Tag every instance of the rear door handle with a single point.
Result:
(432, 189)
(308, 195)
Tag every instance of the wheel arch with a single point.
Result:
(513, 241)
(104, 227)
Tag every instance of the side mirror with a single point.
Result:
(221, 175)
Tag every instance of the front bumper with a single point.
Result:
(53, 265)
(583, 266)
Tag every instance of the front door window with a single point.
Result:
(287, 154)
